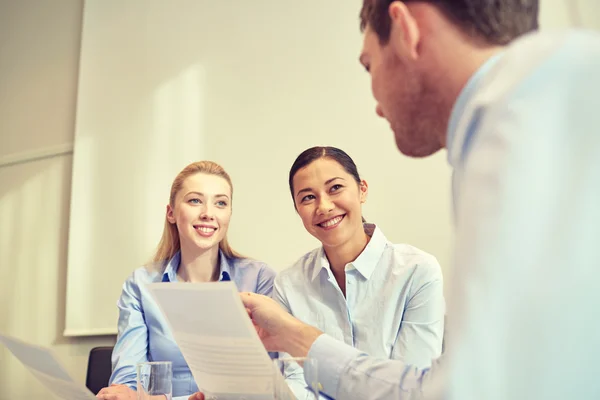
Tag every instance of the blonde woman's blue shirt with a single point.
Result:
(143, 331)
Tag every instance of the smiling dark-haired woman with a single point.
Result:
(385, 299)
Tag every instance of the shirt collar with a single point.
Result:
(455, 142)
(225, 274)
(170, 274)
(366, 261)
(322, 263)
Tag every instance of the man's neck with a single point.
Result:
(467, 59)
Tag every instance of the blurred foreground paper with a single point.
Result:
(43, 364)
(217, 339)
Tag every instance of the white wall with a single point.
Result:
(39, 54)
(250, 91)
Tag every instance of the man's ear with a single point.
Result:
(404, 31)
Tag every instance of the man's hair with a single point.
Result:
(496, 22)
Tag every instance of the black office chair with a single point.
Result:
(99, 368)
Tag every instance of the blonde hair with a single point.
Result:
(169, 243)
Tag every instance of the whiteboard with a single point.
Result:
(249, 85)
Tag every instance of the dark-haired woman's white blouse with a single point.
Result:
(393, 309)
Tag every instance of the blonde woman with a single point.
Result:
(193, 248)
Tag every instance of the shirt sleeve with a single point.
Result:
(347, 373)
(264, 281)
(293, 373)
(279, 294)
(421, 334)
(132, 341)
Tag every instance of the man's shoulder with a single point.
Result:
(543, 58)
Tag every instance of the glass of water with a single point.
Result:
(154, 380)
(296, 378)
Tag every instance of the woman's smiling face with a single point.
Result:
(329, 201)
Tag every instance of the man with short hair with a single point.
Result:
(521, 122)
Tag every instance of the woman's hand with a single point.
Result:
(124, 392)
(117, 392)
(196, 396)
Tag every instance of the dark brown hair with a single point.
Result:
(496, 22)
(314, 153)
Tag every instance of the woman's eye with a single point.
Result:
(335, 187)
(194, 201)
(222, 203)
(307, 198)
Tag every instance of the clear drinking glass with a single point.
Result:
(304, 389)
(154, 380)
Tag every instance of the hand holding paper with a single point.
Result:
(217, 339)
(278, 330)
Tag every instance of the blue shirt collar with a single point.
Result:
(225, 274)
(366, 261)
(454, 142)
(170, 272)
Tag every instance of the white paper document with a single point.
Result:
(44, 365)
(217, 339)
